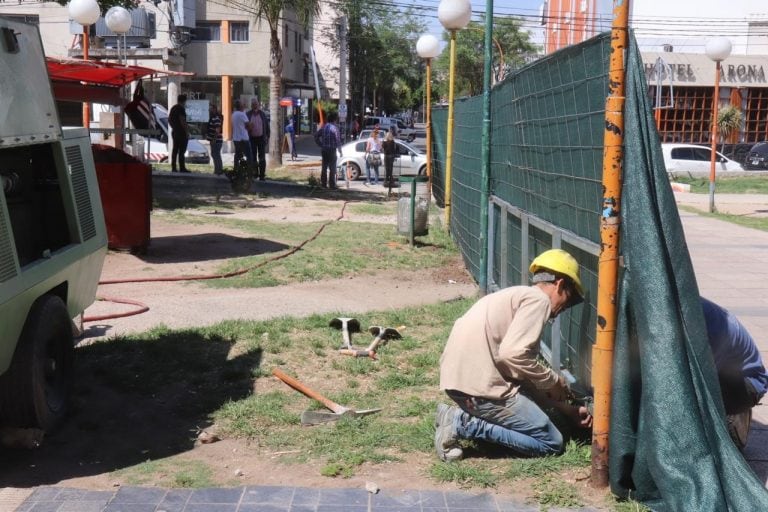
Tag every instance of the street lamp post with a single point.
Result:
(453, 15)
(119, 21)
(85, 12)
(717, 49)
(428, 48)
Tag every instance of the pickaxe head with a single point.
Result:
(319, 417)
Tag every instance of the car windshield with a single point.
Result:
(760, 148)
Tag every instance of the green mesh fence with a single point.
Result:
(547, 128)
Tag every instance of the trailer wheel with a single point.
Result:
(36, 388)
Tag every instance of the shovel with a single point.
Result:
(318, 417)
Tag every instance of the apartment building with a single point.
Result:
(222, 43)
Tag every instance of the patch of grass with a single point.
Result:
(628, 506)
(575, 456)
(554, 492)
(167, 473)
(342, 249)
(257, 414)
(463, 473)
(760, 223)
(383, 209)
(726, 185)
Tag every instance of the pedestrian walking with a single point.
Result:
(177, 120)
(290, 133)
(329, 140)
(259, 137)
(213, 134)
(490, 366)
(373, 157)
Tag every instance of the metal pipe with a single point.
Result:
(713, 156)
(86, 105)
(608, 265)
(428, 115)
(449, 135)
(485, 158)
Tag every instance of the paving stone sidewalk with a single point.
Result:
(267, 499)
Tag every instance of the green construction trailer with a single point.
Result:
(52, 236)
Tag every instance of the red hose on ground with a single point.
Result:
(144, 308)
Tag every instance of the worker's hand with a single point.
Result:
(560, 392)
(580, 415)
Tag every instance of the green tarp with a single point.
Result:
(669, 446)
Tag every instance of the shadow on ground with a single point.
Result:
(172, 192)
(135, 400)
(206, 246)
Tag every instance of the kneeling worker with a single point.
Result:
(740, 369)
(490, 366)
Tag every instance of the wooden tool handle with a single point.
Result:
(301, 388)
(358, 353)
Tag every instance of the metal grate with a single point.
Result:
(7, 259)
(80, 189)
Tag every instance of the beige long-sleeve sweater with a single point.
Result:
(495, 345)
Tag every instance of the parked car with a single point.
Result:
(408, 162)
(158, 145)
(693, 158)
(757, 158)
(385, 123)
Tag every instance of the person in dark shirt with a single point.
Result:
(177, 120)
(390, 152)
(740, 369)
(213, 134)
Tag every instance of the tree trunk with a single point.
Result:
(275, 92)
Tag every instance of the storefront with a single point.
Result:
(684, 112)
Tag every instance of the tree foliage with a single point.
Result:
(383, 67)
(271, 11)
(508, 35)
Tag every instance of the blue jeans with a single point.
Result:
(218, 166)
(368, 173)
(517, 423)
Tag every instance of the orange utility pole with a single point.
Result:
(608, 266)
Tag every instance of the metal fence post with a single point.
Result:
(485, 164)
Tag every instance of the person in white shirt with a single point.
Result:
(240, 126)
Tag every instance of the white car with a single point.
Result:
(408, 161)
(385, 123)
(158, 145)
(683, 158)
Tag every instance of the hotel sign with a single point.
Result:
(697, 69)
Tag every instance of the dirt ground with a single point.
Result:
(108, 433)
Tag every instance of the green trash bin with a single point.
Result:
(413, 207)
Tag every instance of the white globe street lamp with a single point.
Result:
(717, 49)
(119, 21)
(85, 12)
(453, 15)
(428, 47)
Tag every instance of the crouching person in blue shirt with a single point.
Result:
(742, 375)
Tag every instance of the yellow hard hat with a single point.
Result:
(560, 262)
